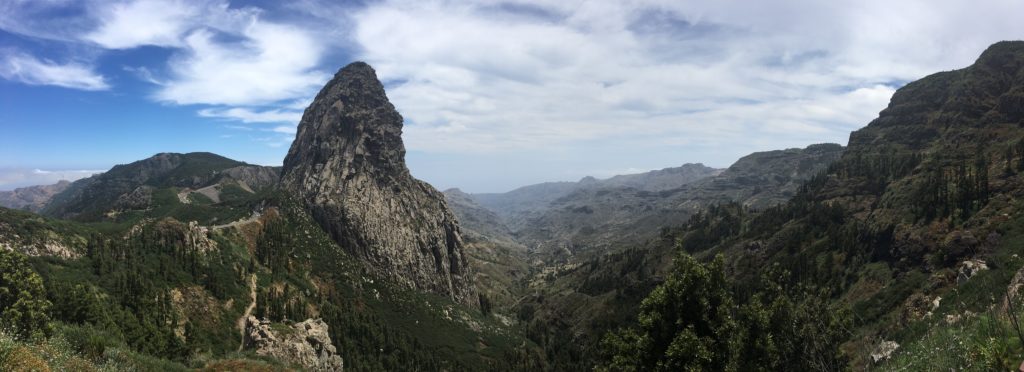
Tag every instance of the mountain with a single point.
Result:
(518, 206)
(762, 179)
(660, 180)
(559, 219)
(202, 261)
(914, 230)
(148, 184)
(476, 219)
(608, 215)
(591, 277)
(873, 256)
(347, 165)
(31, 198)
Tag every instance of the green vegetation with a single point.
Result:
(125, 286)
(199, 199)
(231, 192)
(139, 188)
(374, 325)
(701, 320)
(160, 291)
(23, 305)
(165, 203)
(87, 348)
(192, 165)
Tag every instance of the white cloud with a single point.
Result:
(221, 54)
(272, 63)
(132, 24)
(247, 115)
(275, 141)
(486, 76)
(285, 129)
(144, 74)
(27, 69)
(38, 19)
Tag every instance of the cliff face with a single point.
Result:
(347, 165)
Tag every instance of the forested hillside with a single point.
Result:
(901, 251)
(912, 236)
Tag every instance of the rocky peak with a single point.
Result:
(347, 165)
(357, 117)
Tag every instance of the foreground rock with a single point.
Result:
(347, 165)
(306, 344)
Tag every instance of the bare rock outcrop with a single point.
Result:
(254, 176)
(347, 165)
(307, 343)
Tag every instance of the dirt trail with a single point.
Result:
(253, 218)
(248, 311)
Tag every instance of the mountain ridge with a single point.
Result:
(895, 230)
(914, 228)
(31, 198)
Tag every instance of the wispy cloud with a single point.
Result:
(221, 54)
(144, 74)
(487, 76)
(275, 141)
(131, 24)
(24, 68)
(286, 129)
(271, 63)
(247, 115)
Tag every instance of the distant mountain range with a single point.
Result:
(627, 209)
(31, 198)
(870, 256)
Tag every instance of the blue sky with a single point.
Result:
(495, 94)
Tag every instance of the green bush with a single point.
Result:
(23, 306)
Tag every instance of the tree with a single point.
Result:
(24, 309)
(687, 323)
(694, 322)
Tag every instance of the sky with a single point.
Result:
(495, 94)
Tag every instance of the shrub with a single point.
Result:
(23, 305)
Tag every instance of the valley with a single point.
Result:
(866, 256)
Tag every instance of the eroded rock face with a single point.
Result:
(254, 176)
(307, 343)
(347, 165)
